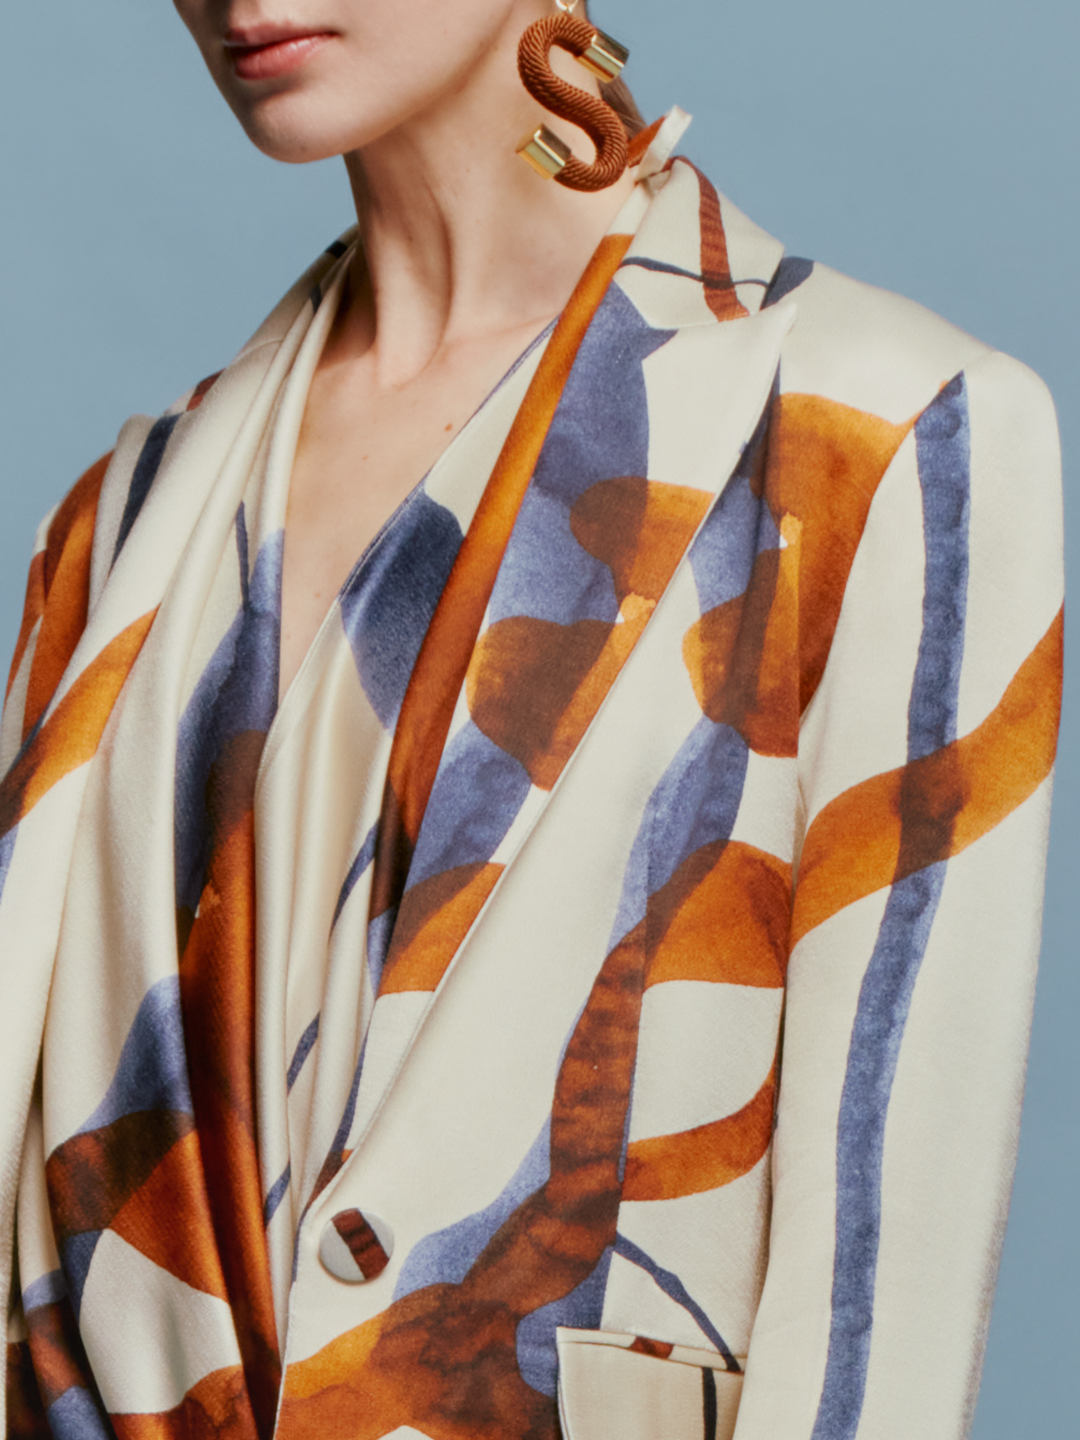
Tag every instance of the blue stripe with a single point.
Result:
(278, 1191)
(7, 850)
(303, 1050)
(673, 1287)
(943, 445)
(792, 271)
(356, 869)
(942, 437)
(643, 262)
(50, 1289)
(708, 1402)
(77, 1415)
(146, 468)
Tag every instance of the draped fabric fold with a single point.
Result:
(710, 676)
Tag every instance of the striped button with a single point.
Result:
(356, 1247)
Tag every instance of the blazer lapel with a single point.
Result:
(667, 389)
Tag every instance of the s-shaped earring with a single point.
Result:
(602, 57)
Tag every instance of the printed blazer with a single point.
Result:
(689, 1099)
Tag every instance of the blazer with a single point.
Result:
(689, 1094)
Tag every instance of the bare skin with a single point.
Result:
(466, 254)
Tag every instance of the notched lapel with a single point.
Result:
(651, 424)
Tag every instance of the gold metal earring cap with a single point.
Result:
(605, 58)
(545, 152)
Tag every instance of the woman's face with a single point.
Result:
(313, 78)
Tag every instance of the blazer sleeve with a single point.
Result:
(925, 771)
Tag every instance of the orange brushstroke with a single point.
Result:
(71, 735)
(901, 821)
(720, 292)
(33, 609)
(66, 588)
(444, 656)
(434, 919)
(661, 1349)
(824, 464)
(521, 681)
(738, 655)
(345, 1356)
(635, 151)
(666, 1167)
(93, 1174)
(534, 686)
(579, 714)
(723, 917)
(184, 1245)
(217, 995)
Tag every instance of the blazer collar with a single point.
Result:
(636, 456)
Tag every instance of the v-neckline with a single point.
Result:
(286, 703)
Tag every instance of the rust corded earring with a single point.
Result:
(602, 57)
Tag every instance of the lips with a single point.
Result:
(265, 56)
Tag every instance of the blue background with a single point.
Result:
(929, 146)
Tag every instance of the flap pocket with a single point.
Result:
(618, 1387)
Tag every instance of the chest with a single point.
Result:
(365, 442)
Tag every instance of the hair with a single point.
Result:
(616, 93)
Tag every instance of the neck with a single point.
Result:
(461, 240)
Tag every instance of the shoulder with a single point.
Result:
(875, 352)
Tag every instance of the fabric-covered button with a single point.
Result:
(356, 1247)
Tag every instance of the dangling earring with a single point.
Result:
(602, 57)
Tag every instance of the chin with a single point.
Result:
(297, 127)
(302, 123)
(292, 135)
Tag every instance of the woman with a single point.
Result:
(570, 965)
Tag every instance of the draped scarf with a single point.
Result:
(186, 1107)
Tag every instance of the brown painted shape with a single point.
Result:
(25, 1411)
(444, 1358)
(739, 655)
(434, 919)
(639, 529)
(168, 1220)
(659, 1349)
(57, 1353)
(217, 996)
(905, 819)
(818, 470)
(723, 917)
(666, 1167)
(364, 1245)
(720, 292)
(522, 681)
(199, 394)
(91, 1176)
(215, 1409)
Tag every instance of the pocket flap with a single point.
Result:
(619, 1387)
